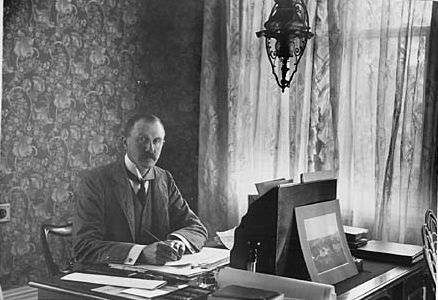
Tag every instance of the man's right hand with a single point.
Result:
(158, 253)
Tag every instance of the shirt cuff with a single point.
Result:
(133, 254)
(189, 247)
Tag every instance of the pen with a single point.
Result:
(153, 236)
(172, 243)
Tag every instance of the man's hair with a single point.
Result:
(150, 118)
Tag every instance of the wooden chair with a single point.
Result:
(429, 235)
(56, 230)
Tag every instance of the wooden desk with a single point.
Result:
(397, 283)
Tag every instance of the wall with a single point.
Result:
(72, 71)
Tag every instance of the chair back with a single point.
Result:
(57, 230)
(429, 235)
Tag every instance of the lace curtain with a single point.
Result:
(356, 106)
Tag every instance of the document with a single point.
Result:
(145, 293)
(204, 258)
(135, 293)
(115, 280)
(227, 237)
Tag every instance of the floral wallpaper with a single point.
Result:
(72, 71)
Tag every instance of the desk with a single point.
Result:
(396, 282)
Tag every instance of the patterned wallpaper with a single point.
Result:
(72, 70)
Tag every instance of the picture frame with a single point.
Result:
(323, 242)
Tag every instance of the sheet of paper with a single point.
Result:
(158, 292)
(206, 256)
(227, 237)
(115, 280)
(115, 291)
(145, 293)
(291, 288)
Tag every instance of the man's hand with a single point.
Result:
(179, 246)
(159, 253)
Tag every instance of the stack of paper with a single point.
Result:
(190, 265)
(115, 280)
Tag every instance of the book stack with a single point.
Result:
(356, 236)
(404, 254)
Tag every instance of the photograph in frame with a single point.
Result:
(323, 242)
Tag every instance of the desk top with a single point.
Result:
(376, 275)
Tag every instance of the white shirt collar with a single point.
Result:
(134, 170)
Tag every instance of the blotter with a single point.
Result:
(291, 288)
(115, 280)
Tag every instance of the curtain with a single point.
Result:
(244, 128)
(355, 106)
(429, 172)
(382, 133)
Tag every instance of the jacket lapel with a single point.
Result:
(160, 219)
(123, 194)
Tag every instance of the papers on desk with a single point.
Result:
(188, 267)
(115, 280)
(207, 257)
(167, 292)
(116, 291)
(227, 237)
(135, 293)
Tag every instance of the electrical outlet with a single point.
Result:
(5, 212)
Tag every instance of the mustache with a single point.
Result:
(150, 155)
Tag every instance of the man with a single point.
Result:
(131, 210)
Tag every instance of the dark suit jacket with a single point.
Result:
(103, 227)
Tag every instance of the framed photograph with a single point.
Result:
(323, 242)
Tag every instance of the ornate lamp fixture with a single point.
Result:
(288, 23)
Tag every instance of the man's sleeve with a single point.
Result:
(133, 254)
(183, 221)
(189, 247)
(89, 222)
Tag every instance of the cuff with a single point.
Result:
(189, 247)
(133, 254)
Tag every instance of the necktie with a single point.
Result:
(141, 193)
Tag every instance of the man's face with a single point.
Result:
(144, 144)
